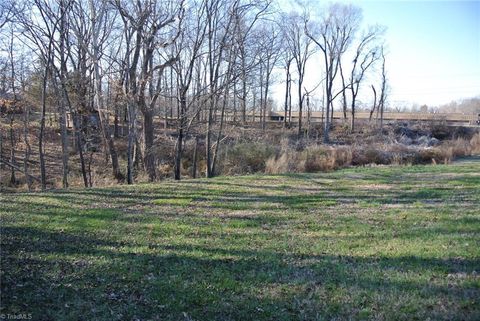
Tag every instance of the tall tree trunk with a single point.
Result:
(352, 120)
(63, 75)
(381, 115)
(78, 132)
(13, 179)
(326, 127)
(328, 98)
(262, 100)
(41, 135)
(307, 133)
(28, 149)
(234, 102)
(112, 151)
(374, 103)
(131, 141)
(344, 95)
(208, 139)
(98, 98)
(300, 108)
(116, 131)
(64, 104)
(181, 127)
(219, 135)
(265, 97)
(194, 166)
(290, 104)
(149, 155)
(384, 91)
(287, 93)
(244, 98)
(354, 91)
(2, 165)
(64, 138)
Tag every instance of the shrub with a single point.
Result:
(287, 162)
(377, 156)
(430, 155)
(463, 132)
(371, 155)
(247, 157)
(440, 130)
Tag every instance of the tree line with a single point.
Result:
(113, 66)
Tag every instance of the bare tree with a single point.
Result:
(299, 45)
(198, 64)
(147, 20)
(40, 35)
(129, 63)
(333, 35)
(26, 124)
(101, 26)
(268, 38)
(189, 50)
(13, 104)
(366, 54)
(384, 88)
(219, 39)
(246, 16)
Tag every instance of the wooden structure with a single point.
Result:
(448, 118)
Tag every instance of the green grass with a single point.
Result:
(382, 243)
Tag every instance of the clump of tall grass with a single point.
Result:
(475, 144)
(313, 158)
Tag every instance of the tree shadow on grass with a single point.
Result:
(241, 196)
(61, 276)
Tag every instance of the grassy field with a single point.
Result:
(391, 243)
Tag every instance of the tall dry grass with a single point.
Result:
(321, 158)
(475, 144)
(314, 158)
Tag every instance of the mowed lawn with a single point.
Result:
(379, 243)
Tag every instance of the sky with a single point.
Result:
(433, 49)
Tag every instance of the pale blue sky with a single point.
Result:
(434, 48)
